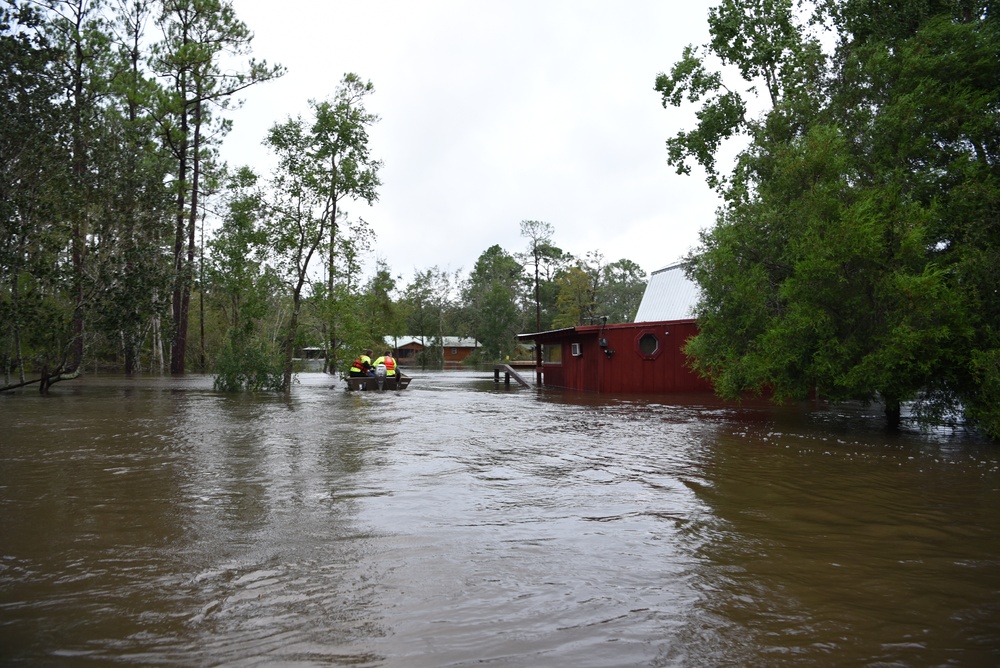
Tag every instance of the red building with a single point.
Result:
(454, 349)
(643, 357)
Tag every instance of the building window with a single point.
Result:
(648, 344)
(552, 354)
(454, 351)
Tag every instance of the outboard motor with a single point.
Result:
(380, 375)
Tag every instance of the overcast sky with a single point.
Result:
(492, 113)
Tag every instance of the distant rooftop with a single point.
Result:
(669, 295)
(446, 342)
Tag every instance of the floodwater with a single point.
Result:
(152, 521)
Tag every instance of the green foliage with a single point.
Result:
(981, 406)
(856, 253)
(236, 265)
(340, 311)
(620, 292)
(720, 117)
(54, 73)
(590, 291)
(244, 289)
(197, 35)
(493, 294)
(344, 170)
(430, 311)
(577, 300)
(340, 146)
(540, 259)
(378, 311)
(31, 169)
(245, 364)
(319, 162)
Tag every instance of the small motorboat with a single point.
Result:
(379, 383)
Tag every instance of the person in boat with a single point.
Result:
(362, 365)
(389, 362)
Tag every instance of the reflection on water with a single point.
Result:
(153, 521)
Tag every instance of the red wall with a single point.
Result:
(628, 369)
(408, 353)
(458, 356)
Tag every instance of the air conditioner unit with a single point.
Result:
(574, 348)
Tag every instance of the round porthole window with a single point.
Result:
(648, 344)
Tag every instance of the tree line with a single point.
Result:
(857, 252)
(112, 114)
(127, 244)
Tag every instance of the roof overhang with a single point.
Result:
(535, 336)
(584, 330)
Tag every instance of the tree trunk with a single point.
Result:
(79, 232)
(178, 346)
(157, 345)
(195, 185)
(182, 286)
(286, 383)
(892, 413)
(328, 334)
(129, 353)
(538, 324)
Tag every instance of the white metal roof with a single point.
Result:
(447, 341)
(670, 295)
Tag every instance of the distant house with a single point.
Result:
(645, 356)
(311, 353)
(454, 349)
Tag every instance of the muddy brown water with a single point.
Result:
(152, 521)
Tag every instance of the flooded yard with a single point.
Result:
(152, 521)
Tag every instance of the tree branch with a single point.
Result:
(45, 381)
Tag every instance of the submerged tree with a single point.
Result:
(34, 179)
(494, 294)
(103, 167)
(198, 34)
(302, 205)
(430, 308)
(90, 183)
(343, 323)
(135, 277)
(851, 255)
(296, 223)
(540, 249)
(345, 170)
(244, 287)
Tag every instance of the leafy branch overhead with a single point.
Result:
(721, 116)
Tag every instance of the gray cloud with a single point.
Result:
(493, 113)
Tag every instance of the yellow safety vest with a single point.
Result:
(363, 359)
(390, 364)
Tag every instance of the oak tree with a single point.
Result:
(854, 256)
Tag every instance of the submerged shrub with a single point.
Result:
(247, 366)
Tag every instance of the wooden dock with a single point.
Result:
(508, 373)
